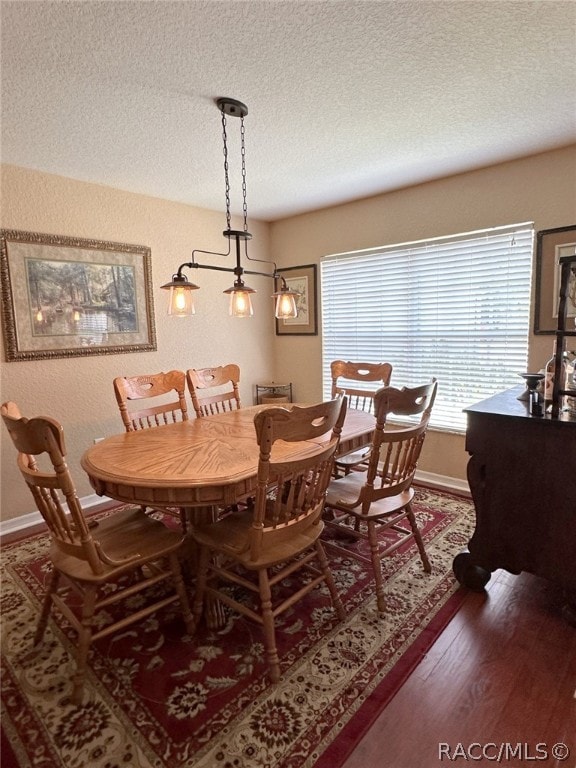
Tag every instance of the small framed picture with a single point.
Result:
(551, 246)
(303, 280)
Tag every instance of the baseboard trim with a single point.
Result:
(35, 518)
(442, 482)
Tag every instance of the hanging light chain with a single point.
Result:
(227, 170)
(243, 153)
(226, 167)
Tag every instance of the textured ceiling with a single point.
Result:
(346, 98)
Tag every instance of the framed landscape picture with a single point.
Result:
(67, 297)
(303, 280)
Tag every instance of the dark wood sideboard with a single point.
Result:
(522, 475)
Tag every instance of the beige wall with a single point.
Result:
(541, 189)
(79, 391)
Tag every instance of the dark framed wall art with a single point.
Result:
(303, 280)
(67, 297)
(551, 245)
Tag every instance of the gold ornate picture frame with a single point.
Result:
(303, 280)
(69, 297)
(551, 245)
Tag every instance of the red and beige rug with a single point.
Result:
(158, 698)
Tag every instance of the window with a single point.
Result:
(456, 308)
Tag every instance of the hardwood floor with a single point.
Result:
(503, 672)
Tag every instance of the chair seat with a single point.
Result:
(128, 535)
(349, 460)
(231, 535)
(344, 492)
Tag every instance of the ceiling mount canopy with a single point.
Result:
(232, 107)
(181, 301)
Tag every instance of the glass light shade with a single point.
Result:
(181, 300)
(240, 303)
(285, 305)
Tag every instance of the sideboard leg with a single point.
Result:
(468, 574)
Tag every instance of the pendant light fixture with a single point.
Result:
(181, 301)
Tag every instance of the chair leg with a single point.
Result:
(418, 538)
(201, 575)
(329, 579)
(268, 625)
(376, 566)
(181, 590)
(84, 641)
(46, 606)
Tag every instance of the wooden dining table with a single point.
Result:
(200, 463)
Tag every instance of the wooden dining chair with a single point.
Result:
(163, 396)
(149, 400)
(347, 379)
(278, 535)
(366, 505)
(104, 561)
(214, 390)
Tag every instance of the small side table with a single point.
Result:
(273, 392)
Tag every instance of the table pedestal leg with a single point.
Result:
(213, 609)
(214, 613)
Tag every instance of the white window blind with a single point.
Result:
(456, 308)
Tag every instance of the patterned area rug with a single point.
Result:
(158, 698)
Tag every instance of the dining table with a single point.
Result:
(203, 462)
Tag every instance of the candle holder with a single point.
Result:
(532, 380)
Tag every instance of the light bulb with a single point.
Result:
(240, 304)
(181, 303)
(286, 306)
(179, 300)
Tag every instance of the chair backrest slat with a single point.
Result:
(214, 390)
(165, 393)
(346, 375)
